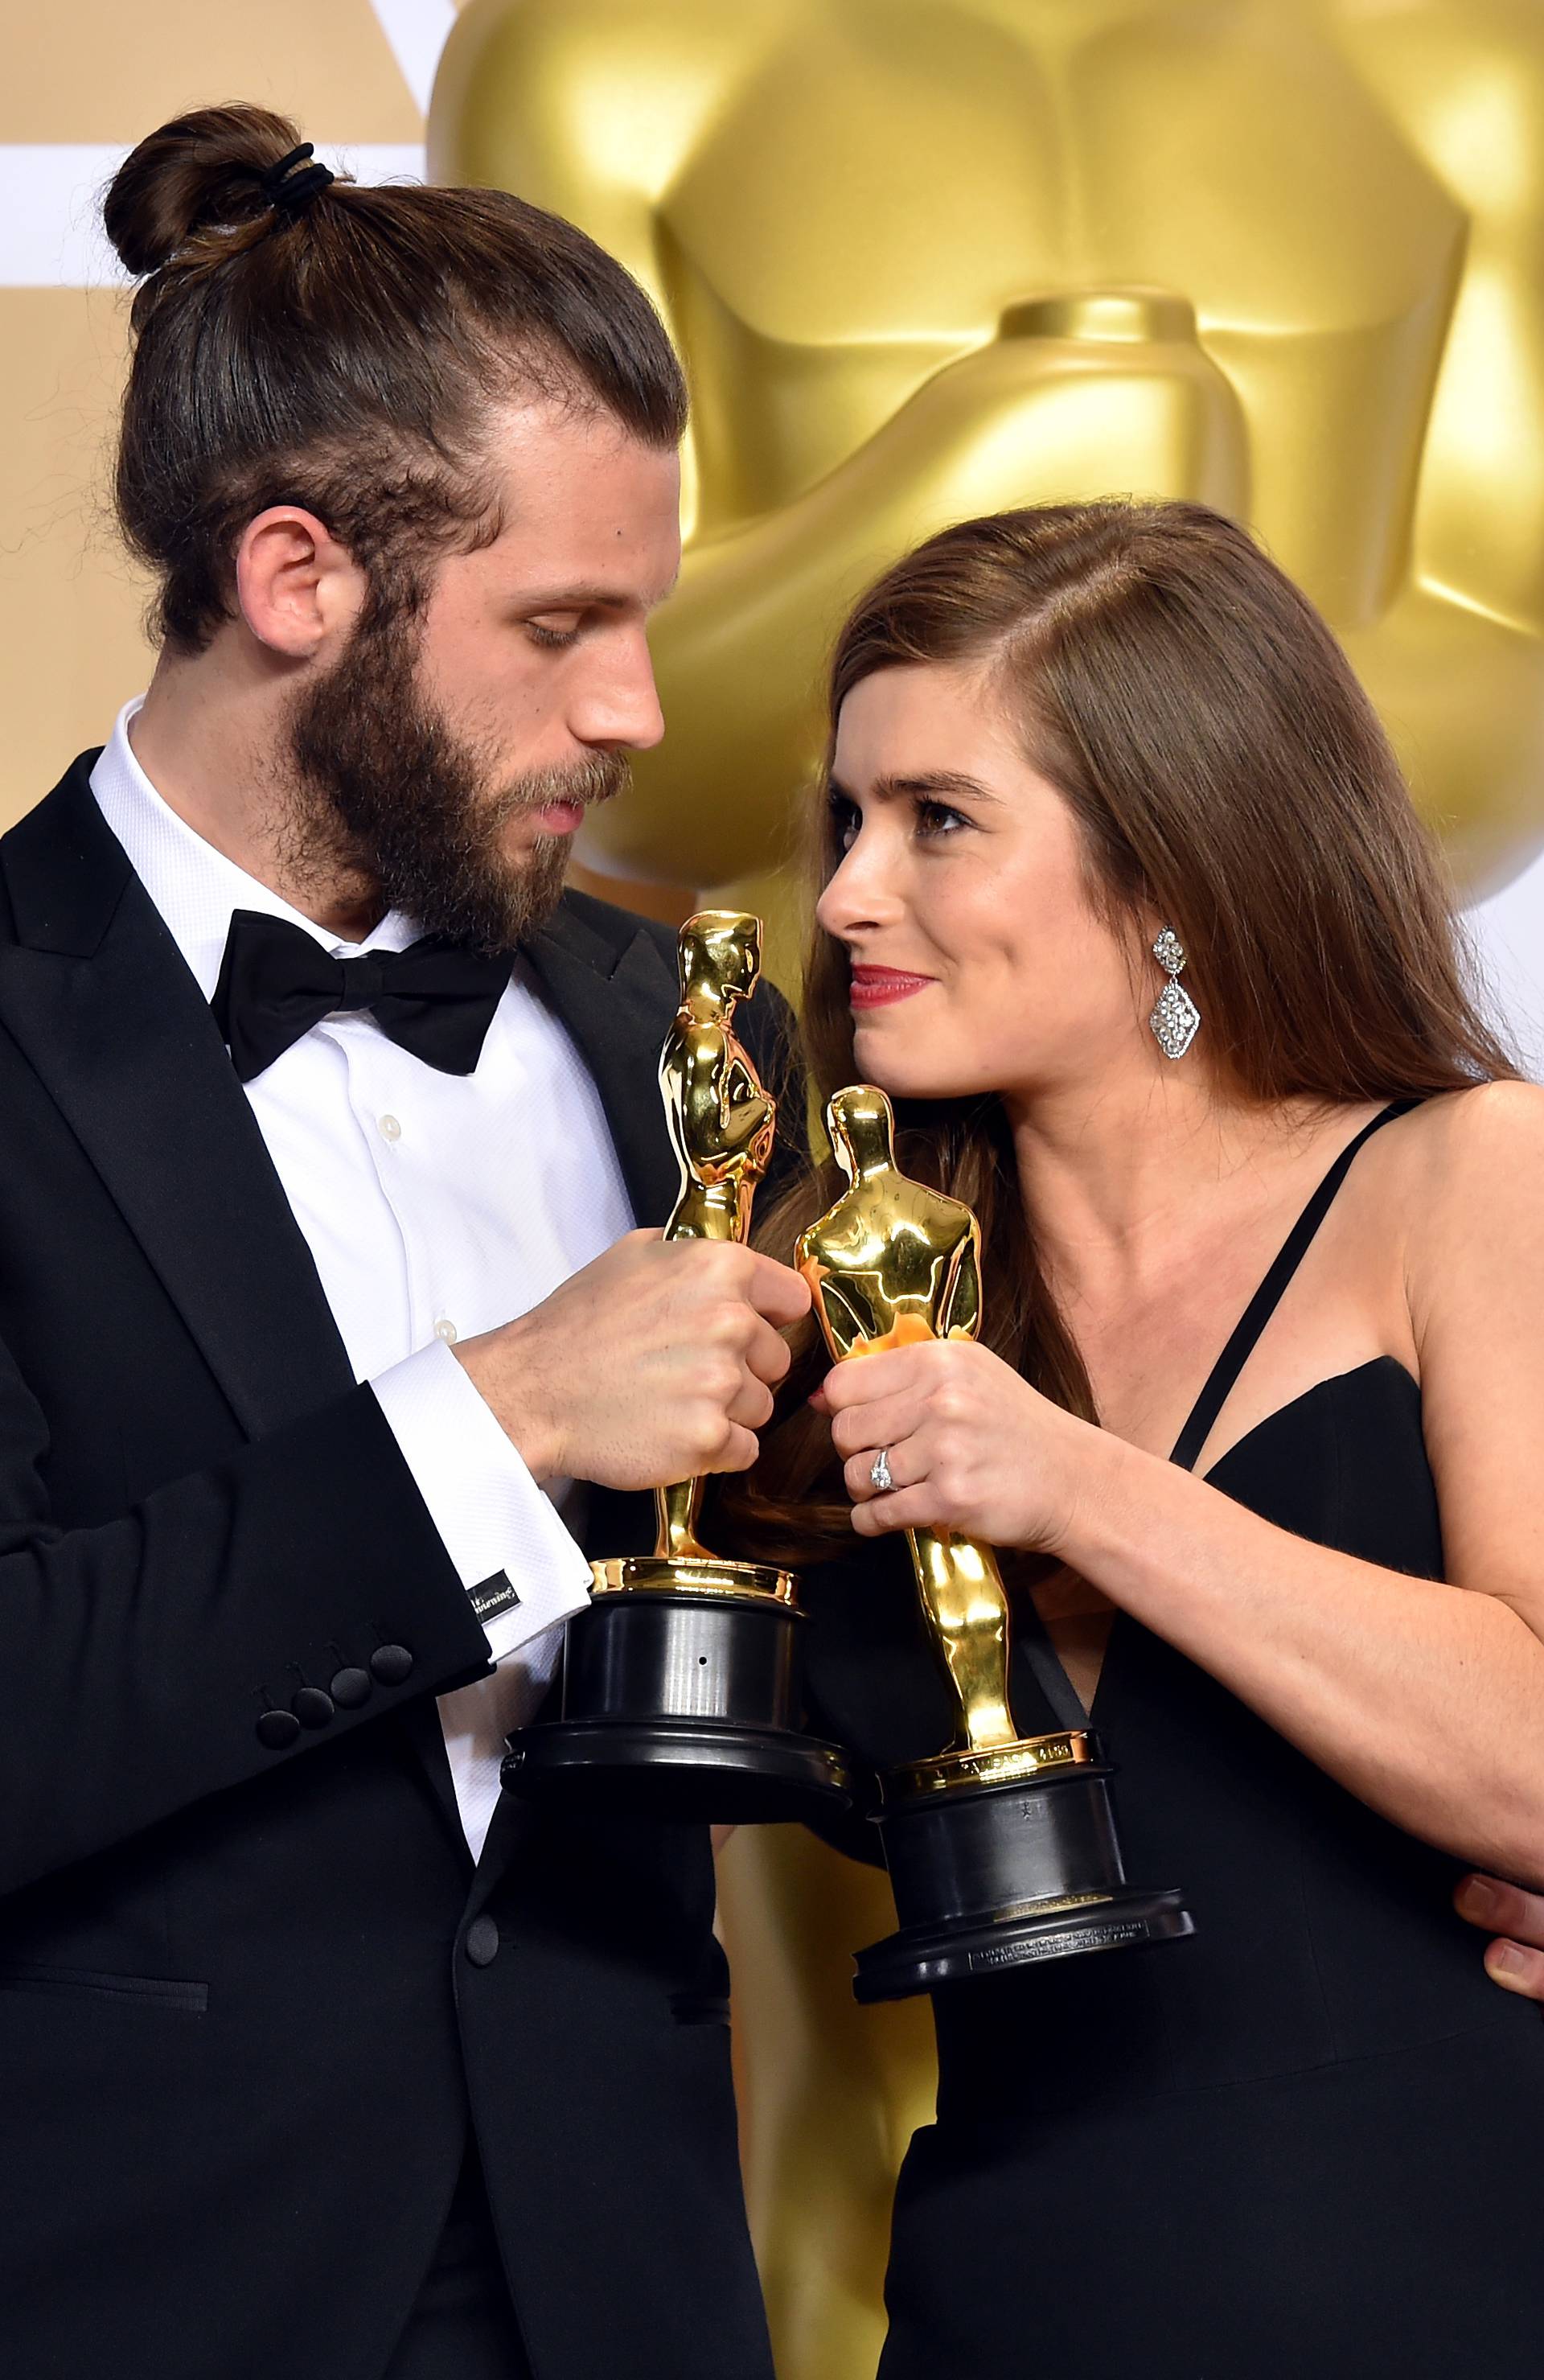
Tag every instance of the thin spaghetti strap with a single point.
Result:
(1266, 1299)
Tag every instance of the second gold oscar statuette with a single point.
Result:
(1001, 1848)
(679, 1682)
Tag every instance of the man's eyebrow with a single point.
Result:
(929, 786)
(586, 597)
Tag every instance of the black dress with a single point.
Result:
(1306, 2141)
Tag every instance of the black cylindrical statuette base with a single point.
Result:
(990, 1872)
(679, 1706)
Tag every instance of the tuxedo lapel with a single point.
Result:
(97, 995)
(617, 1002)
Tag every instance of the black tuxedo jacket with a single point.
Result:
(251, 1998)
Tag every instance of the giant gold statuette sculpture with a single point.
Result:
(1002, 1849)
(679, 1682)
(923, 261)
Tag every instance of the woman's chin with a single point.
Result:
(897, 1072)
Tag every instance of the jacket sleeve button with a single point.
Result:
(312, 1706)
(351, 1688)
(390, 1664)
(482, 1941)
(277, 1729)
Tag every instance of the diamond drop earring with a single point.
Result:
(1176, 1020)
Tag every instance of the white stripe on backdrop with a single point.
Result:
(48, 192)
(417, 30)
(51, 237)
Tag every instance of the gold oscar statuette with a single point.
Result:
(722, 1124)
(679, 1681)
(1001, 1848)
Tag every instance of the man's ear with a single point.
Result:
(297, 588)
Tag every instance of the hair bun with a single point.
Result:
(201, 169)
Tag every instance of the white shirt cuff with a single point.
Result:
(489, 1510)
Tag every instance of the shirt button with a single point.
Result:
(444, 1329)
(388, 1127)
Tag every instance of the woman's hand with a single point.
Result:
(971, 1447)
(1516, 1960)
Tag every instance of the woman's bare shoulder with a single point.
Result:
(1470, 1168)
(1489, 1124)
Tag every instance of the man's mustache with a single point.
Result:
(598, 779)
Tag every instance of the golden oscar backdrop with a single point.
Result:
(928, 258)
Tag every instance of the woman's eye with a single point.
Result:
(935, 819)
(845, 821)
(541, 634)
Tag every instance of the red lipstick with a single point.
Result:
(878, 987)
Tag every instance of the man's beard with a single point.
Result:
(388, 801)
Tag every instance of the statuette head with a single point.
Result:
(861, 1123)
(721, 953)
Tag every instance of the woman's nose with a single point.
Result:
(843, 907)
(860, 894)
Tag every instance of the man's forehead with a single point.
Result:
(537, 440)
(591, 512)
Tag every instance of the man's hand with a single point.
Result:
(1516, 1959)
(654, 1363)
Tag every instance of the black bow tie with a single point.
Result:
(277, 982)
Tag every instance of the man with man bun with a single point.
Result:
(333, 1316)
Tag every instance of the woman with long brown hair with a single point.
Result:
(1294, 1564)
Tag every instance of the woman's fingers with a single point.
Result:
(857, 1472)
(1516, 1959)
(965, 1437)
(1501, 1908)
(908, 1508)
(1517, 1968)
(865, 1429)
(863, 1378)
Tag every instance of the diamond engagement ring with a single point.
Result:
(879, 1476)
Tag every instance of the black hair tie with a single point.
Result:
(290, 193)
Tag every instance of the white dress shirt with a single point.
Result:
(436, 1206)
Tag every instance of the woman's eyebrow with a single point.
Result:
(931, 784)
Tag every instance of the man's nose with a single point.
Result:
(619, 710)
